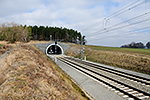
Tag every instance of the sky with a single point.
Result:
(103, 22)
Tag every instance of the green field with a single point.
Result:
(124, 50)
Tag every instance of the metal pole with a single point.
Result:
(81, 47)
(50, 37)
(83, 51)
(55, 48)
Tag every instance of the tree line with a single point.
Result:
(136, 45)
(12, 32)
(55, 33)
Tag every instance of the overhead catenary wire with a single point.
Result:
(104, 20)
(142, 21)
(147, 29)
(117, 36)
(136, 17)
(113, 27)
(127, 9)
(118, 13)
(128, 20)
(123, 10)
(124, 25)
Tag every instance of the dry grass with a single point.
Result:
(131, 51)
(131, 59)
(12, 45)
(74, 49)
(38, 42)
(29, 74)
(31, 42)
(123, 60)
(3, 50)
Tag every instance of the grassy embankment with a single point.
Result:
(127, 58)
(12, 45)
(29, 74)
(2, 50)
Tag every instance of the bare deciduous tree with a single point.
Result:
(13, 32)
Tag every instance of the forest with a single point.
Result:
(13, 32)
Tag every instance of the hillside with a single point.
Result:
(28, 73)
(126, 58)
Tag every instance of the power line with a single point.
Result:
(123, 11)
(122, 22)
(127, 25)
(129, 19)
(130, 32)
(120, 11)
(117, 13)
(109, 29)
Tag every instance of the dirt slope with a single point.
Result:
(28, 73)
(74, 49)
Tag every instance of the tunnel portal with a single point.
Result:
(50, 50)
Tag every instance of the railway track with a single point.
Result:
(128, 85)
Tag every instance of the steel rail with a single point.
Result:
(130, 95)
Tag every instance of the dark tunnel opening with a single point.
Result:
(51, 50)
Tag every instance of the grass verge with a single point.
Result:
(131, 59)
(29, 74)
(63, 75)
(123, 50)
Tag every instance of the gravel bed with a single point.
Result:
(116, 77)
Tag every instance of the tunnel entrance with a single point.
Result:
(50, 50)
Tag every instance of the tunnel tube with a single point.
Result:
(50, 50)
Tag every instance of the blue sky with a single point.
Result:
(85, 16)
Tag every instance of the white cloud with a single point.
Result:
(11, 7)
(76, 14)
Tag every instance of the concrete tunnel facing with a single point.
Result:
(50, 50)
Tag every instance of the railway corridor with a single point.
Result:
(128, 85)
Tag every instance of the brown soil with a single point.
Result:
(28, 73)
